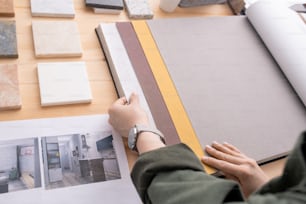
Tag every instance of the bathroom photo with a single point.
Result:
(19, 165)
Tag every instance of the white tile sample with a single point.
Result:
(56, 39)
(63, 83)
(53, 8)
(138, 9)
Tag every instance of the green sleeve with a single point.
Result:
(174, 175)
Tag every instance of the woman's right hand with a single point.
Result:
(124, 114)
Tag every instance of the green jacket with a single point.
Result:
(174, 175)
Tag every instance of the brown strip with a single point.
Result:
(147, 81)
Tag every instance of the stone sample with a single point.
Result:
(56, 39)
(8, 39)
(7, 8)
(9, 87)
(53, 8)
(63, 83)
(139, 9)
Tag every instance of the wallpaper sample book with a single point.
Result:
(71, 149)
(7, 8)
(56, 39)
(229, 83)
(9, 87)
(63, 83)
(8, 40)
(53, 8)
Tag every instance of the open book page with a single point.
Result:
(284, 34)
(63, 160)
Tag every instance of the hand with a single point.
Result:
(236, 166)
(123, 115)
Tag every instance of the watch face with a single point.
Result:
(132, 138)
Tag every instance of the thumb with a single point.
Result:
(134, 99)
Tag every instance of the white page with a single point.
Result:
(120, 190)
(284, 34)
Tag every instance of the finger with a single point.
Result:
(223, 156)
(121, 101)
(134, 99)
(224, 166)
(223, 148)
(232, 147)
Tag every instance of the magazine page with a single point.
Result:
(63, 160)
(284, 34)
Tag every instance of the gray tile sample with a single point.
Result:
(8, 40)
(231, 87)
(108, 4)
(53, 8)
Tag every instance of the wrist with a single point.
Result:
(149, 137)
(148, 141)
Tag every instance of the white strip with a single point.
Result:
(123, 73)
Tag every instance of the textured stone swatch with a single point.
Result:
(9, 87)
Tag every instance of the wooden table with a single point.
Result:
(102, 86)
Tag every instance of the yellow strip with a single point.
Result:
(168, 90)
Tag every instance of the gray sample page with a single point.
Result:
(284, 33)
(229, 84)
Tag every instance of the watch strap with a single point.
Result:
(143, 128)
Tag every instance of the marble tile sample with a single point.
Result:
(56, 39)
(8, 39)
(139, 9)
(108, 4)
(53, 8)
(63, 83)
(7, 8)
(9, 87)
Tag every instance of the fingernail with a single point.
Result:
(215, 143)
(205, 158)
(208, 147)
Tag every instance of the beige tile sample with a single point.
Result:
(9, 87)
(7, 8)
(56, 39)
(53, 8)
(63, 83)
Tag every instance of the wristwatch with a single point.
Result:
(134, 132)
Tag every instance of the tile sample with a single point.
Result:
(63, 83)
(108, 4)
(7, 8)
(138, 9)
(56, 39)
(8, 39)
(106, 11)
(52, 8)
(9, 87)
